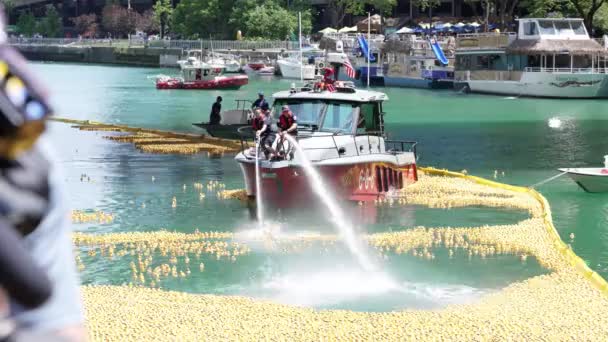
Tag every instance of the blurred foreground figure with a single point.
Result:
(37, 268)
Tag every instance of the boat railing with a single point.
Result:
(568, 70)
(487, 40)
(390, 146)
(224, 45)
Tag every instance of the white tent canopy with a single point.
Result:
(347, 29)
(405, 30)
(328, 30)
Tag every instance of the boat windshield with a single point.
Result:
(322, 115)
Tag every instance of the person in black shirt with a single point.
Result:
(216, 109)
(260, 102)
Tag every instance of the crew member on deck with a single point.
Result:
(260, 102)
(216, 109)
(287, 125)
(262, 126)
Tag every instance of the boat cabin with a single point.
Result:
(541, 45)
(345, 112)
(197, 71)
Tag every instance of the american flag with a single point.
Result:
(350, 72)
(330, 87)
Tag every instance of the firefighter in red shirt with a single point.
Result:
(287, 124)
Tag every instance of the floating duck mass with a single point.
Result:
(568, 303)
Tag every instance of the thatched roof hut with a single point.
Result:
(549, 47)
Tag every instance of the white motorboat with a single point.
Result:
(293, 67)
(590, 179)
(230, 62)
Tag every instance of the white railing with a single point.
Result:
(568, 70)
(486, 34)
(177, 44)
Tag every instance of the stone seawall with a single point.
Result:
(135, 56)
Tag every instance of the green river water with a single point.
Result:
(526, 138)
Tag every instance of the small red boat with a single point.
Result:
(200, 75)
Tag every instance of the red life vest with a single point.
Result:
(257, 123)
(285, 122)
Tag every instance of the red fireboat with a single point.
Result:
(341, 132)
(200, 75)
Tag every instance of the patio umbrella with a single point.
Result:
(405, 30)
(347, 29)
(328, 30)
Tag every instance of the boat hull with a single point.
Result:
(221, 131)
(222, 82)
(589, 179)
(420, 83)
(296, 70)
(544, 84)
(286, 185)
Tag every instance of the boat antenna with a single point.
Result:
(211, 42)
(369, 44)
(300, 43)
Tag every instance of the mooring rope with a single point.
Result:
(547, 180)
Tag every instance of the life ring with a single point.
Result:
(321, 65)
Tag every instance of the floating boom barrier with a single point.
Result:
(569, 303)
(159, 141)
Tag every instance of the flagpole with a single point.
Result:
(301, 56)
(369, 44)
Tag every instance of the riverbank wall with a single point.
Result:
(135, 56)
(129, 56)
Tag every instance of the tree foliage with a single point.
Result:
(587, 9)
(86, 25)
(118, 21)
(203, 18)
(146, 22)
(51, 25)
(26, 24)
(358, 7)
(271, 19)
(272, 22)
(163, 15)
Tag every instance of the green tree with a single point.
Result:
(8, 8)
(26, 24)
(51, 25)
(118, 20)
(587, 9)
(357, 7)
(270, 21)
(163, 13)
(203, 18)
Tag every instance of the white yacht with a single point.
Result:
(546, 58)
(294, 67)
